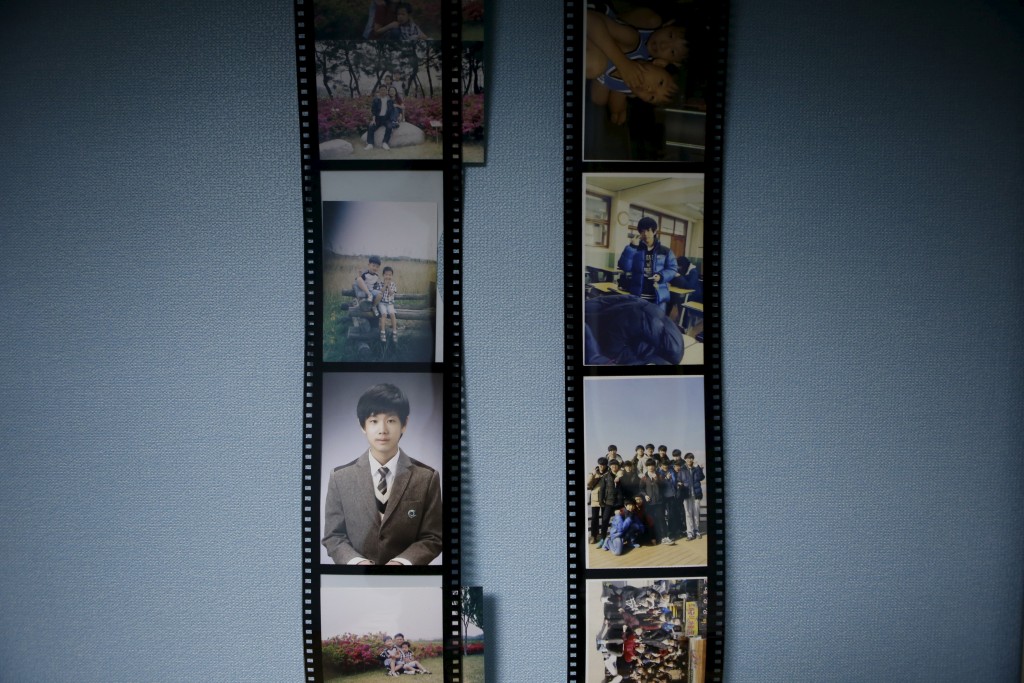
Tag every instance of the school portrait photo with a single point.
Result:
(380, 490)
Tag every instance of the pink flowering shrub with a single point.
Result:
(349, 653)
(475, 647)
(342, 117)
(473, 116)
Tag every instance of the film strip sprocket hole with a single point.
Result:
(379, 94)
(643, 139)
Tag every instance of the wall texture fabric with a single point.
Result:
(151, 341)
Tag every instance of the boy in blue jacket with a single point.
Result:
(648, 264)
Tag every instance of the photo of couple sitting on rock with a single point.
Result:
(379, 100)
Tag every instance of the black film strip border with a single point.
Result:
(452, 581)
(451, 168)
(713, 340)
(574, 168)
(572, 181)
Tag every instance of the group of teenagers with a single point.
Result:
(641, 638)
(649, 499)
(398, 658)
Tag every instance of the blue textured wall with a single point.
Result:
(151, 340)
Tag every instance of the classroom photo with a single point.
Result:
(643, 261)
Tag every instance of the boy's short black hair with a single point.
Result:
(639, 447)
(381, 399)
(649, 446)
(602, 460)
(405, 643)
(688, 456)
(615, 461)
(676, 452)
(613, 447)
(628, 463)
(374, 259)
(647, 223)
(400, 635)
(388, 269)
(650, 462)
(663, 447)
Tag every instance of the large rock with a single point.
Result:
(406, 135)
(336, 149)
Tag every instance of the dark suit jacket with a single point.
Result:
(380, 111)
(410, 528)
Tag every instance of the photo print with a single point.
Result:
(383, 214)
(643, 260)
(380, 281)
(647, 73)
(471, 616)
(646, 630)
(377, 20)
(375, 629)
(380, 490)
(379, 100)
(645, 484)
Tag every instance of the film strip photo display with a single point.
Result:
(381, 104)
(643, 111)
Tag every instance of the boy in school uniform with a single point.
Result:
(383, 507)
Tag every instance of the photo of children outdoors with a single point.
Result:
(643, 257)
(646, 630)
(646, 504)
(647, 70)
(380, 281)
(378, 632)
(379, 99)
(380, 491)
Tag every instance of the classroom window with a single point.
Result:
(596, 222)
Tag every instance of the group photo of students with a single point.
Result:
(646, 630)
(643, 255)
(645, 497)
(647, 68)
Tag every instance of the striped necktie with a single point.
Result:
(382, 485)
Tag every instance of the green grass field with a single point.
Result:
(435, 665)
(472, 672)
(473, 669)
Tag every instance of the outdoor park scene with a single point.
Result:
(389, 89)
(374, 252)
(371, 634)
